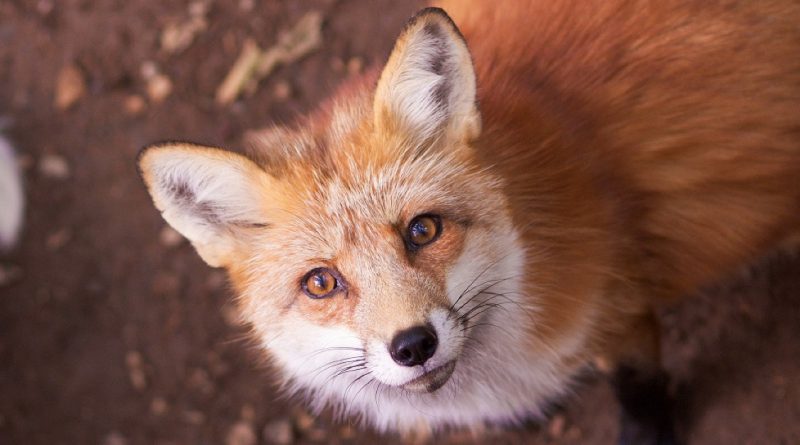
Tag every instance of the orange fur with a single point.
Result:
(637, 150)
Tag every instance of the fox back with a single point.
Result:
(450, 240)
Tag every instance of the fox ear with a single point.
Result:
(428, 85)
(207, 194)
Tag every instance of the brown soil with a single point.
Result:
(113, 335)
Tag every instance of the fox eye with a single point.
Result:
(319, 283)
(423, 230)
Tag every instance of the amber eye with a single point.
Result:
(319, 283)
(423, 229)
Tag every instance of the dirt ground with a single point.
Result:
(113, 332)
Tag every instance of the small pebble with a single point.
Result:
(347, 432)
(158, 406)
(45, 7)
(247, 5)
(58, 239)
(159, 87)
(148, 70)
(53, 166)
(355, 65)
(248, 413)
(199, 8)
(278, 432)
(134, 105)
(316, 434)
(337, 64)
(556, 426)
(115, 438)
(231, 315)
(282, 90)
(169, 237)
(241, 434)
(200, 381)
(573, 433)
(70, 87)
(135, 364)
(304, 420)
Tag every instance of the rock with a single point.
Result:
(241, 434)
(194, 417)
(70, 87)
(53, 166)
(278, 432)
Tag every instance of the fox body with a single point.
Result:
(449, 241)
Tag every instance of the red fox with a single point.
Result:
(449, 241)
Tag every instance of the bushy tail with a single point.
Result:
(12, 201)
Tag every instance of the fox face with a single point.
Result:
(375, 259)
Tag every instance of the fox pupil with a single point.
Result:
(319, 283)
(423, 230)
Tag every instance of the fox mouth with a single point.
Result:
(431, 380)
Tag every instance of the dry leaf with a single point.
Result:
(254, 64)
(176, 37)
(238, 76)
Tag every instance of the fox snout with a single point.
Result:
(414, 346)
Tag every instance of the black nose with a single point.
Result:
(413, 346)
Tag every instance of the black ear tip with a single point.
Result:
(432, 12)
(148, 148)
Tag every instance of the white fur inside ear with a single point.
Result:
(205, 193)
(429, 82)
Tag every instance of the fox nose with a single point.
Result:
(413, 346)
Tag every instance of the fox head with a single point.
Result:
(375, 259)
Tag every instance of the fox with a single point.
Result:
(452, 239)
